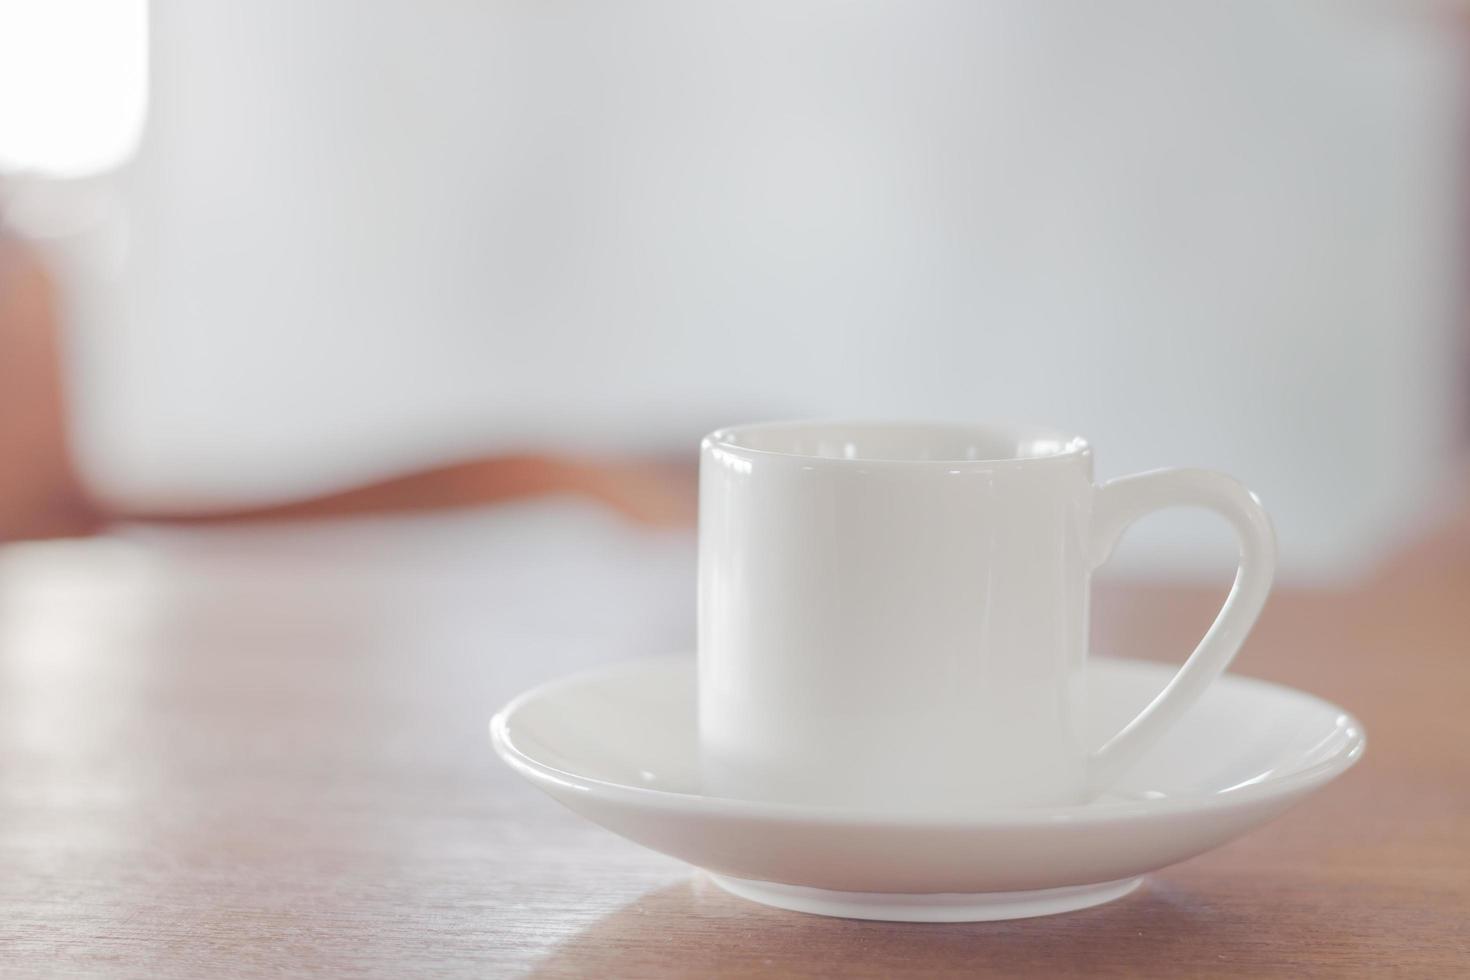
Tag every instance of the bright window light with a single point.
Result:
(73, 84)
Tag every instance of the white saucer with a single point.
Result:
(619, 747)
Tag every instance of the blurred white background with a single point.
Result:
(357, 236)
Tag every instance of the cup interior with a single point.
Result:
(901, 441)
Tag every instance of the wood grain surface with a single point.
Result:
(253, 759)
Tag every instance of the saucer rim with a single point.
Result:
(1273, 787)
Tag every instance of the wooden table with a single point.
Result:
(264, 754)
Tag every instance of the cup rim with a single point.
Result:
(1067, 445)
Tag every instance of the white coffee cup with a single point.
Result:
(894, 616)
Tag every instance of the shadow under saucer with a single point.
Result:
(694, 929)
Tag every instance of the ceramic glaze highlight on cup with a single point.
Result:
(893, 616)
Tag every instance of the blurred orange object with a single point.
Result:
(42, 496)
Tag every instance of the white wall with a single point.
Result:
(360, 235)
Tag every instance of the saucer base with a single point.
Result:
(938, 907)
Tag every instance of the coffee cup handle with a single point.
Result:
(1116, 505)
